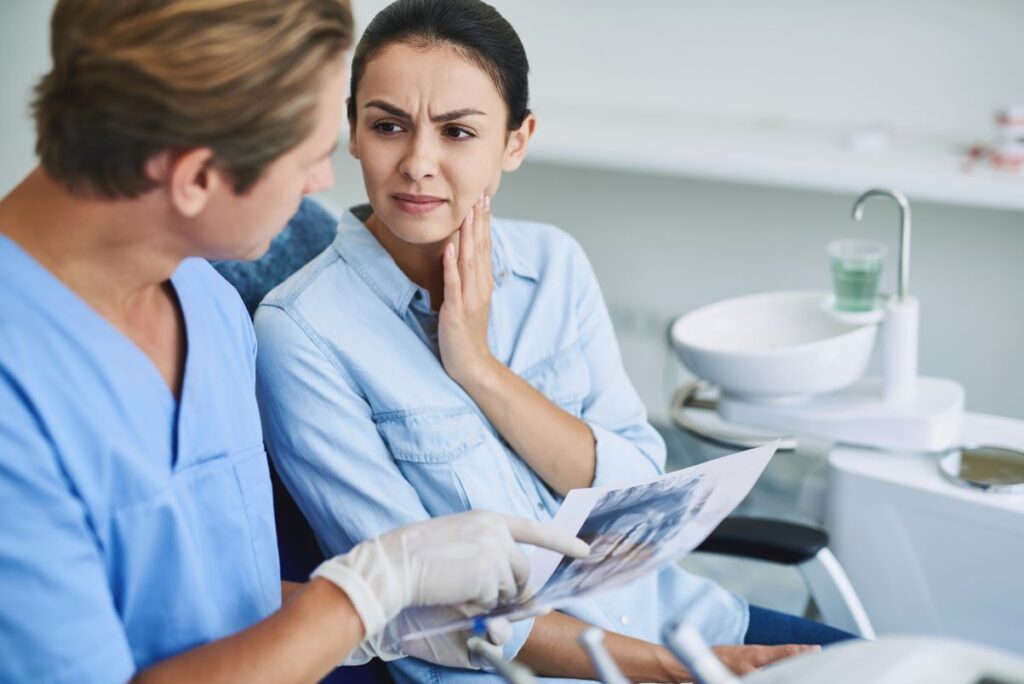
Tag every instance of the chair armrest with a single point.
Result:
(766, 539)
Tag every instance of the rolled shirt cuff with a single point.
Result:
(618, 460)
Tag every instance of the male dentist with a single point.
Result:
(137, 534)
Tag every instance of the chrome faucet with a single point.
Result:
(903, 276)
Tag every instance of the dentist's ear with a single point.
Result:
(188, 177)
(518, 141)
(353, 146)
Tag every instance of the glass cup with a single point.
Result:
(856, 267)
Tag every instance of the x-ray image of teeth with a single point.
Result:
(630, 532)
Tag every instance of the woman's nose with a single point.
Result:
(420, 160)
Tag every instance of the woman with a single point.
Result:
(434, 360)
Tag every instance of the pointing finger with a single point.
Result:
(546, 536)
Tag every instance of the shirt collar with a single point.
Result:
(507, 260)
(361, 250)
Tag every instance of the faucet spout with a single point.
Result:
(903, 275)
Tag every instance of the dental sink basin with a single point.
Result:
(773, 345)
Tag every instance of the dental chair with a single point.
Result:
(308, 233)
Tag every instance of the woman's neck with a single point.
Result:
(420, 263)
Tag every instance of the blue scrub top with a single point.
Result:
(134, 526)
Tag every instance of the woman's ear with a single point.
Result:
(353, 146)
(518, 141)
(188, 177)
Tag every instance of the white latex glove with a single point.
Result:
(469, 558)
(449, 649)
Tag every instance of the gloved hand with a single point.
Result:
(449, 649)
(469, 558)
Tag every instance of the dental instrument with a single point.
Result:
(607, 671)
(510, 671)
(691, 650)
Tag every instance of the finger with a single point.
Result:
(519, 566)
(507, 577)
(483, 653)
(452, 279)
(484, 223)
(483, 240)
(790, 650)
(467, 243)
(546, 536)
(767, 655)
(487, 595)
(499, 630)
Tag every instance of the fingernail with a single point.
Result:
(450, 249)
(487, 202)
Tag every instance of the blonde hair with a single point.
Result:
(133, 78)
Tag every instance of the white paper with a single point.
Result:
(632, 529)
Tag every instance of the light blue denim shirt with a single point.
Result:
(369, 432)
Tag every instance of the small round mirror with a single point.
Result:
(988, 468)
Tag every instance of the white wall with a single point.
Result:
(24, 57)
(664, 245)
(932, 66)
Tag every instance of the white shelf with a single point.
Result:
(776, 154)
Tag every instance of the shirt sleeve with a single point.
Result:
(627, 446)
(58, 617)
(321, 436)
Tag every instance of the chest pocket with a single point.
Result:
(452, 460)
(563, 378)
(198, 559)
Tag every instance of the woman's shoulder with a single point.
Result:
(535, 245)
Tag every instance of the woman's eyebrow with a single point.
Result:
(437, 118)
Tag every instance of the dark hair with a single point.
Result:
(473, 28)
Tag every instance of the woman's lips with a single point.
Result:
(417, 204)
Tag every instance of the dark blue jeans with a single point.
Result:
(771, 628)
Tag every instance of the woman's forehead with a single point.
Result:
(438, 76)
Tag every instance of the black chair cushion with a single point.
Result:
(764, 539)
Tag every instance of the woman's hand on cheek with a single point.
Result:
(462, 328)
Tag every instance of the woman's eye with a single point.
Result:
(458, 133)
(387, 127)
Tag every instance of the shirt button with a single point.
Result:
(624, 620)
(418, 295)
(540, 505)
